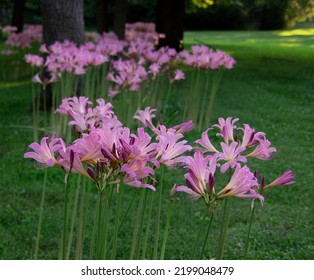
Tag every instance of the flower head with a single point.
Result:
(283, 180)
(230, 154)
(44, 153)
(243, 184)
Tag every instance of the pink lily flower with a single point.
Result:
(263, 150)
(135, 171)
(250, 138)
(226, 128)
(205, 143)
(169, 150)
(183, 127)
(70, 160)
(145, 117)
(283, 180)
(44, 153)
(231, 154)
(88, 148)
(243, 184)
(197, 176)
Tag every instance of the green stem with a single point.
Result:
(155, 252)
(247, 242)
(122, 221)
(164, 242)
(99, 223)
(137, 251)
(215, 85)
(223, 229)
(81, 227)
(198, 238)
(204, 104)
(40, 219)
(207, 233)
(93, 241)
(164, 107)
(104, 229)
(65, 218)
(136, 227)
(73, 218)
(117, 220)
(147, 226)
(197, 98)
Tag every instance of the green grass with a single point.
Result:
(271, 88)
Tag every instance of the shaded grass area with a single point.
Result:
(271, 88)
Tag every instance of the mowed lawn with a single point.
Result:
(271, 88)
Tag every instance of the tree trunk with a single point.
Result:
(170, 23)
(101, 15)
(120, 15)
(62, 20)
(18, 15)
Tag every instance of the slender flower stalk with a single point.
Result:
(135, 239)
(157, 224)
(104, 226)
(82, 221)
(247, 241)
(73, 218)
(223, 229)
(40, 219)
(147, 227)
(65, 219)
(117, 218)
(166, 231)
(122, 221)
(143, 213)
(207, 234)
(200, 231)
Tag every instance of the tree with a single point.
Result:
(62, 20)
(170, 23)
(101, 7)
(120, 16)
(18, 15)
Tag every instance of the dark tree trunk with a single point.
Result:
(18, 15)
(101, 16)
(62, 20)
(170, 23)
(120, 15)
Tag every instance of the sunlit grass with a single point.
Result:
(297, 32)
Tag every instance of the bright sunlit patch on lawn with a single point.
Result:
(297, 32)
(290, 45)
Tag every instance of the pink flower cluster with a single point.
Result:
(126, 74)
(237, 146)
(131, 63)
(84, 118)
(30, 34)
(203, 57)
(141, 31)
(106, 151)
